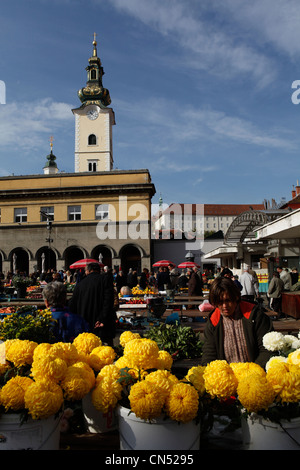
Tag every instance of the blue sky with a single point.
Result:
(201, 91)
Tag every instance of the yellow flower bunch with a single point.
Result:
(182, 403)
(146, 400)
(43, 399)
(13, 392)
(165, 360)
(127, 336)
(67, 352)
(162, 379)
(86, 342)
(220, 380)
(20, 352)
(50, 368)
(101, 356)
(241, 369)
(195, 376)
(107, 391)
(78, 380)
(255, 392)
(285, 380)
(143, 353)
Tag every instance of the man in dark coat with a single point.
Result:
(93, 299)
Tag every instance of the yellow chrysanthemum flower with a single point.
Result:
(128, 336)
(67, 352)
(165, 360)
(146, 400)
(43, 399)
(49, 367)
(162, 379)
(101, 356)
(275, 359)
(87, 372)
(143, 353)
(182, 402)
(13, 392)
(294, 357)
(106, 394)
(86, 342)
(195, 376)
(285, 380)
(20, 352)
(219, 379)
(255, 392)
(78, 381)
(241, 369)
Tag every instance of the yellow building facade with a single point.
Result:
(50, 220)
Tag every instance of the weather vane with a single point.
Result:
(51, 141)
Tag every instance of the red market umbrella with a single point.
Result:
(188, 264)
(82, 263)
(163, 262)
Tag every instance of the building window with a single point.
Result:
(74, 212)
(93, 74)
(92, 139)
(92, 165)
(47, 213)
(20, 215)
(101, 211)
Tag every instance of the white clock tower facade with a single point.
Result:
(93, 122)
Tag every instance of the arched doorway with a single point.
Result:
(104, 254)
(130, 256)
(46, 259)
(19, 261)
(72, 254)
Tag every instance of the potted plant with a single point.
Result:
(268, 400)
(36, 381)
(180, 341)
(21, 283)
(151, 401)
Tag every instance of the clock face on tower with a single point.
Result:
(92, 114)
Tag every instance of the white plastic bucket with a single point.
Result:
(33, 434)
(262, 434)
(160, 434)
(96, 421)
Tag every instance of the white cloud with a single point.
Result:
(206, 44)
(272, 22)
(195, 126)
(26, 125)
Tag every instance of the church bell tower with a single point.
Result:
(94, 121)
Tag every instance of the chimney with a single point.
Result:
(297, 188)
(293, 192)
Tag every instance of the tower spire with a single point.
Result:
(95, 46)
(94, 92)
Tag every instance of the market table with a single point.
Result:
(290, 304)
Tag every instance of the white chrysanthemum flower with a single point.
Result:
(292, 342)
(274, 341)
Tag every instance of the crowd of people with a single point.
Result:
(233, 331)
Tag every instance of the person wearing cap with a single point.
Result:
(235, 329)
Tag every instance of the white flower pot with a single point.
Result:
(96, 421)
(160, 434)
(34, 434)
(262, 434)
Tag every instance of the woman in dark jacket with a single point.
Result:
(235, 329)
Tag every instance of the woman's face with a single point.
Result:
(227, 306)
